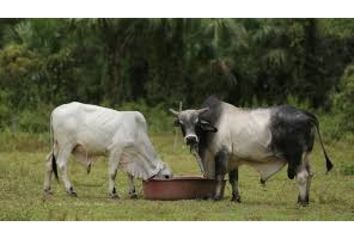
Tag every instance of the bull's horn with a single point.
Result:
(174, 112)
(203, 110)
(199, 161)
(201, 166)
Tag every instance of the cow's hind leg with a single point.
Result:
(220, 170)
(48, 174)
(113, 162)
(303, 178)
(62, 161)
(132, 192)
(233, 179)
(83, 157)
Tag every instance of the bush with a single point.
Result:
(35, 120)
(157, 117)
(348, 170)
(23, 141)
(344, 99)
(19, 75)
(5, 110)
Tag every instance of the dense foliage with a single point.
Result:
(160, 62)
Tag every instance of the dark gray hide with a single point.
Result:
(292, 134)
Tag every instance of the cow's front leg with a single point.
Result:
(132, 192)
(221, 159)
(233, 179)
(113, 162)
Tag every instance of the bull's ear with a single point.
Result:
(206, 126)
(176, 123)
(203, 110)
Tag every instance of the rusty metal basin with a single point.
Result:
(178, 188)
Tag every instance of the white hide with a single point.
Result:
(246, 136)
(88, 131)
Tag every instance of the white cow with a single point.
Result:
(88, 131)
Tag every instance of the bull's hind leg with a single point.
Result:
(233, 179)
(113, 162)
(308, 185)
(303, 178)
(132, 192)
(220, 170)
(62, 162)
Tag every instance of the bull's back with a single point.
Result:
(245, 133)
(292, 130)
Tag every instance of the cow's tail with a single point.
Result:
(329, 164)
(54, 167)
(53, 160)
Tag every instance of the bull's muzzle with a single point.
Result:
(191, 140)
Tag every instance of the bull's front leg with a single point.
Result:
(221, 159)
(233, 179)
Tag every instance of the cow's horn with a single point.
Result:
(174, 112)
(203, 110)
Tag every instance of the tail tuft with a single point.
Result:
(329, 164)
(54, 167)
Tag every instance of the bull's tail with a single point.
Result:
(51, 135)
(329, 164)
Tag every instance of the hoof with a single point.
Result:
(71, 192)
(236, 198)
(133, 196)
(89, 168)
(217, 198)
(47, 192)
(303, 202)
(262, 182)
(113, 196)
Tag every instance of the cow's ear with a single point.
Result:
(206, 126)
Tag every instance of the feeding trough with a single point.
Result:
(178, 188)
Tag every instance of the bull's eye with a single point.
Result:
(199, 124)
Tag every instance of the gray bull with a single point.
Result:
(224, 137)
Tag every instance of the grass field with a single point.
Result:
(21, 179)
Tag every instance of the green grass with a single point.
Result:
(22, 173)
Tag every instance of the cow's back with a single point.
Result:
(95, 128)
